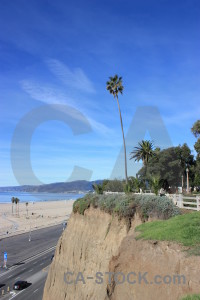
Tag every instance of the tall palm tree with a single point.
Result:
(27, 209)
(143, 151)
(13, 201)
(114, 86)
(17, 204)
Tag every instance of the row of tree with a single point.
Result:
(15, 200)
(161, 168)
(167, 168)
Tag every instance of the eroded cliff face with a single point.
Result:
(170, 273)
(98, 242)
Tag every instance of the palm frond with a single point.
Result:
(114, 85)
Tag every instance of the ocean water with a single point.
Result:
(5, 197)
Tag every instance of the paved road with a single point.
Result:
(34, 271)
(28, 261)
(19, 248)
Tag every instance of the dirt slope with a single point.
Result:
(98, 242)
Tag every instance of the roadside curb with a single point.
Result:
(33, 229)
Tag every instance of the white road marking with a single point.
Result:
(29, 260)
(17, 277)
(23, 269)
(15, 294)
(9, 276)
(35, 263)
(41, 264)
(30, 270)
(35, 291)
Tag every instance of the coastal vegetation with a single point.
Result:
(162, 168)
(192, 297)
(125, 206)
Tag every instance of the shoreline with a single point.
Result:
(17, 219)
(39, 201)
(5, 197)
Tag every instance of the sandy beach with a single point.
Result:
(15, 220)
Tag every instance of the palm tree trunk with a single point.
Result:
(123, 140)
(145, 173)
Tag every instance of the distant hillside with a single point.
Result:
(58, 187)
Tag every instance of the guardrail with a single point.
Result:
(187, 202)
(123, 193)
(148, 192)
(117, 193)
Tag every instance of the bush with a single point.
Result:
(156, 206)
(192, 297)
(155, 184)
(125, 206)
(98, 188)
(114, 185)
(81, 205)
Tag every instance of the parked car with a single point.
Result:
(52, 257)
(20, 285)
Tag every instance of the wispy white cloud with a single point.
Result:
(181, 117)
(51, 95)
(76, 78)
(44, 93)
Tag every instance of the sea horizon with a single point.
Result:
(5, 197)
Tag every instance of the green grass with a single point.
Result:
(183, 229)
(192, 297)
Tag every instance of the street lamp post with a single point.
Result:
(182, 183)
(29, 238)
(187, 171)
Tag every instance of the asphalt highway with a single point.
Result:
(19, 248)
(34, 268)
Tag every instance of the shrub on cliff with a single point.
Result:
(191, 297)
(125, 206)
(156, 206)
(81, 205)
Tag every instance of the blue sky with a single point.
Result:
(62, 52)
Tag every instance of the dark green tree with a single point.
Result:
(186, 160)
(98, 188)
(196, 131)
(165, 166)
(114, 186)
